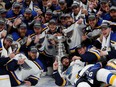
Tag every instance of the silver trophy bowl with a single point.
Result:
(60, 39)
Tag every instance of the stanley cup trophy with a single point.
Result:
(60, 51)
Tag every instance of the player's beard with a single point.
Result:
(22, 34)
(27, 18)
(16, 12)
(7, 46)
(69, 23)
(114, 18)
(1, 28)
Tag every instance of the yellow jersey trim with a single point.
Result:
(38, 65)
(4, 78)
(98, 56)
(64, 82)
(112, 79)
(34, 78)
(112, 65)
(15, 78)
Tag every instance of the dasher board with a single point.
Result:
(46, 81)
(5, 81)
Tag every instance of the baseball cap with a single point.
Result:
(37, 25)
(81, 45)
(9, 37)
(33, 49)
(2, 10)
(52, 21)
(91, 17)
(49, 11)
(105, 25)
(2, 21)
(104, 1)
(16, 4)
(67, 15)
(23, 25)
(62, 1)
(113, 8)
(61, 16)
(28, 10)
(64, 56)
(75, 5)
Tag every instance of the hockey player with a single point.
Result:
(22, 37)
(14, 12)
(88, 55)
(38, 37)
(5, 46)
(77, 11)
(83, 76)
(8, 65)
(113, 17)
(27, 17)
(108, 38)
(24, 74)
(51, 32)
(3, 31)
(33, 55)
(72, 32)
